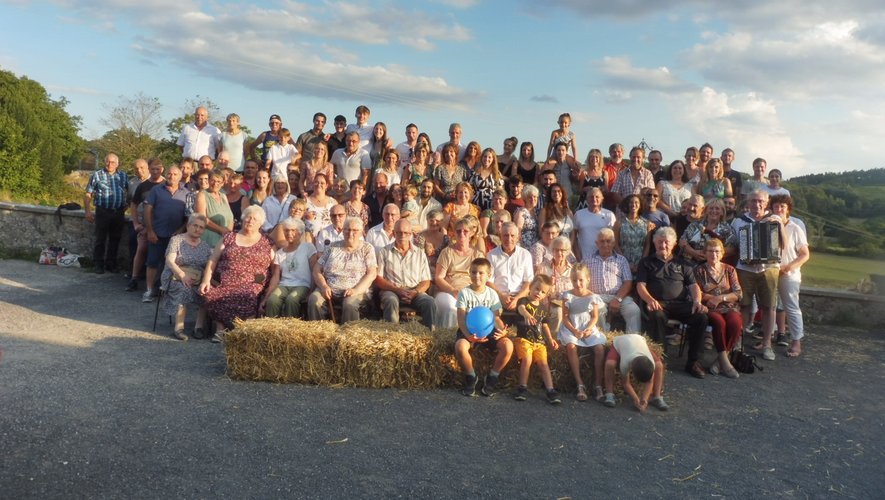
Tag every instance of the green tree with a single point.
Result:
(36, 130)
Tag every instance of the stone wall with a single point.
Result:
(33, 228)
(845, 308)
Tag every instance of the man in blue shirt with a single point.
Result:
(107, 190)
(163, 217)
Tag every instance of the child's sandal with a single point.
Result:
(598, 394)
(582, 393)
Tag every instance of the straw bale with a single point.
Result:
(283, 350)
(373, 354)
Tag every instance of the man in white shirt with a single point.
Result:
(199, 138)
(588, 222)
(334, 231)
(512, 271)
(351, 162)
(407, 148)
(362, 127)
(454, 138)
(404, 277)
(382, 235)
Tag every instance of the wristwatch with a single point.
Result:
(618, 299)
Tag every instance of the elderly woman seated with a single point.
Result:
(668, 287)
(186, 258)
(290, 275)
(242, 261)
(344, 272)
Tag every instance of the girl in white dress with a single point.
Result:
(579, 329)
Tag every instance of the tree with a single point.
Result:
(140, 114)
(39, 139)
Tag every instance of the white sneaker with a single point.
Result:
(148, 296)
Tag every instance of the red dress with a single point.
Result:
(242, 272)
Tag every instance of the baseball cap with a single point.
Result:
(275, 117)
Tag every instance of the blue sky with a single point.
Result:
(796, 82)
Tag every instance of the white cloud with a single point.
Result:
(459, 4)
(620, 73)
(291, 47)
(825, 61)
(746, 123)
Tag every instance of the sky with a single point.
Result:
(797, 82)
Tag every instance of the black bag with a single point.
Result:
(743, 362)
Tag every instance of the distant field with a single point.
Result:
(835, 271)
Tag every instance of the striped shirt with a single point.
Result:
(108, 190)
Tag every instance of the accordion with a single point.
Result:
(759, 243)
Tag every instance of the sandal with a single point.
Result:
(598, 394)
(582, 393)
(793, 354)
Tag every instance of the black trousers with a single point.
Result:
(109, 226)
(696, 323)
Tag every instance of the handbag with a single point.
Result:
(743, 362)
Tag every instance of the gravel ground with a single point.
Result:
(96, 405)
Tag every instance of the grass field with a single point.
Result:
(836, 271)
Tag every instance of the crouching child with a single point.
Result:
(631, 355)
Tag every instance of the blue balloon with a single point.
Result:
(480, 321)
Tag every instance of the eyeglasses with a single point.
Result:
(651, 195)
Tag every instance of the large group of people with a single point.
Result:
(337, 225)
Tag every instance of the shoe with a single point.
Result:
(147, 296)
(659, 403)
(609, 400)
(714, 369)
(180, 335)
(582, 393)
(598, 395)
(469, 389)
(696, 370)
(199, 333)
(781, 339)
(521, 393)
(99, 270)
(488, 386)
(132, 285)
(733, 373)
(553, 397)
(768, 354)
(217, 338)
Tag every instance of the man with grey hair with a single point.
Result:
(382, 235)
(512, 270)
(759, 281)
(588, 222)
(455, 140)
(404, 277)
(612, 281)
(668, 288)
(200, 137)
(108, 190)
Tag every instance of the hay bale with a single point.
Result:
(373, 354)
(283, 350)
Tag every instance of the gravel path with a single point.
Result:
(95, 405)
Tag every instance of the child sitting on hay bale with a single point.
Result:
(479, 295)
(531, 332)
(634, 359)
